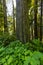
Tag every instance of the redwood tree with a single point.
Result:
(22, 23)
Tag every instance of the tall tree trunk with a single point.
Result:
(22, 24)
(5, 16)
(1, 16)
(26, 20)
(13, 18)
(18, 20)
(41, 22)
(35, 20)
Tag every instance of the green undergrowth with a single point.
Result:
(5, 39)
(17, 53)
(35, 44)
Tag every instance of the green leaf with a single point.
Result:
(27, 60)
(10, 60)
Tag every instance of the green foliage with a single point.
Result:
(17, 53)
(5, 39)
(35, 44)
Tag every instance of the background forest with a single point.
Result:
(21, 32)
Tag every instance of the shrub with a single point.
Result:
(35, 44)
(5, 39)
(17, 53)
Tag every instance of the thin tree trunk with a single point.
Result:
(41, 23)
(1, 17)
(35, 20)
(5, 16)
(13, 18)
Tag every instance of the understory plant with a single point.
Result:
(17, 53)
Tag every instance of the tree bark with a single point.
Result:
(41, 22)
(35, 20)
(22, 24)
(13, 18)
(5, 17)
